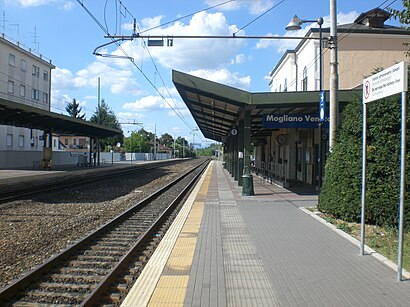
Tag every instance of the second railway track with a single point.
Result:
(83, 273)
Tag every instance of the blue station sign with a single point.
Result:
(275, 121)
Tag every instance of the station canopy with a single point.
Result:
(21, 115)
(217, 108)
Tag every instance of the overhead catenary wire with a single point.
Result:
(132, 61)
(189, 15)
(264, 13)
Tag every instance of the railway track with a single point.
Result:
(13, 192)
(100, 268)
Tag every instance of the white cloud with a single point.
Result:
(343, 18)
(119, 81)
(149, 23)
(254, 7)
(62, 78)
(224, 76)
(184, 112)
(192, 53)
(68, 6)
(27, 3)
(147, 103)
(239, 59)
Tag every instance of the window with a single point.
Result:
(75, 141)
(45, 97)
(22, 90)
(23, 65)
(21, 140)
(35, 94)
(10, 87)
(66, 141)
(285, 85)
(45, 75)
(35, 71)
(304, 80)
(9, 140)
(12, 59)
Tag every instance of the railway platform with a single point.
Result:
(225, 249)
(22, 176)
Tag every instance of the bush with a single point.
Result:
(341, 190)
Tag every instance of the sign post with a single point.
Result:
(388, 82)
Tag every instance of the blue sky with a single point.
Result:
(142, 91)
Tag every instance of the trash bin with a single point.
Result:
(247, 183)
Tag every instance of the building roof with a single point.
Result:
(21, 115)
(27, 51)
(217, 108)
(370, 22)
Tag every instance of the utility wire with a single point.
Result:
(177, 112)
(183, 17)
(132, 61)
(264, 13)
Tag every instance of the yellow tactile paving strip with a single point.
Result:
(171, 288)
(173, 256)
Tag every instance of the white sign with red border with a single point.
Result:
(390, 81)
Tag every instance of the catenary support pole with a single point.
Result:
(334, 77)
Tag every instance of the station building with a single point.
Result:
(276, 133)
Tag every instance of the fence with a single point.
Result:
(23, 159)
(271, 171)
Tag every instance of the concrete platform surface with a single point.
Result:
(263, 250)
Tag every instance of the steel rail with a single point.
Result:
(10, 292)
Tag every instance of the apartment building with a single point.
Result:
(25, 78)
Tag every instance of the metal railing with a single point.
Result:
(271, 171)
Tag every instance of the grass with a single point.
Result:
(382, 240)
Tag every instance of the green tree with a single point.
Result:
(404, 17)
(341, 190)
(167, 140)
(137, 142)
(104, 116)
(73, 109)
(182, 146)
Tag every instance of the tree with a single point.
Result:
(104, 116)
(73, 109)
(167, 140)
(404, 17)
(137, 142)
(341, 190)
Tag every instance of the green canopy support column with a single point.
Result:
(235, 137)
(240, 151)
(247, 184)
(224, 156)
(231, 151)
(228, 155)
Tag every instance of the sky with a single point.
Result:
(136, 80)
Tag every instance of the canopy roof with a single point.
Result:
(217, 108)
(21, 115)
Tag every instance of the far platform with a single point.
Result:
(225, 249)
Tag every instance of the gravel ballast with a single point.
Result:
(34, 229)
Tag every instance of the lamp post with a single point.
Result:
(296, 24)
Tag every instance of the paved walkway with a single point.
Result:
(263, 250)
